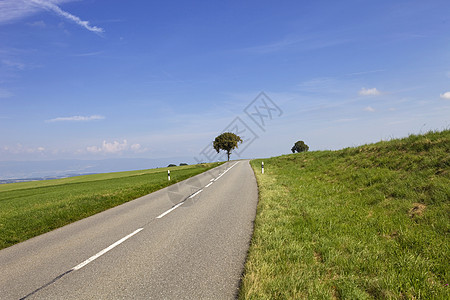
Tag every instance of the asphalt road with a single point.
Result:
(187, 241)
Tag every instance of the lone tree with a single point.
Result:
(226, 141)
(300, 146)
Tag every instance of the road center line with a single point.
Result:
(225, 171)
(105, 250)
(195, 194)
(168, 211)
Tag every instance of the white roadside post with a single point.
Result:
(262, 167)
(168, 175)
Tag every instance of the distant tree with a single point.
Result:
(171, 165)
(226, 141)
(299, 146)
(183, 164)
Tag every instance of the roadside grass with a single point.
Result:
(370, 222)
(29, 209)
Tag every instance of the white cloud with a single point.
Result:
(11, 10)
(369, 92)
(446, 95)
(115, 147)
(20, 149)
(76, 119)
(135, 147)
(55, 8)
(369, 109)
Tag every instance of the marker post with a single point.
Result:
(168, 175)
(262, 167)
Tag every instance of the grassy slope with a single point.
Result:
(32, 208)
(370, 222)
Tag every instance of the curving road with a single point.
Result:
(187, 241)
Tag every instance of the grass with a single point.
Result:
(31, 208)
(370, 222)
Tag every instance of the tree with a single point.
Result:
(300, 146)
(226, 141)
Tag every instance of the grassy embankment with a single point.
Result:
(32, 208)
(370, 222)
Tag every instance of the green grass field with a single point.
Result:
(370, 222)
(31, 208)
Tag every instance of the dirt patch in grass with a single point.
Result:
(318, 257)
(417, 210)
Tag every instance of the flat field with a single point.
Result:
(370, 222)
(31, 208)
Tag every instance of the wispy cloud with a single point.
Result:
(365, 72)
(11, 10)
(445, 95)
(76, 119)
(55, 8)
(114, 148)
(20, 149)
(38, 24)
(369, 92)
(346, 120)
(296, 43)
(88, 54)
(369, 109)
(13, 64)
(319, 84)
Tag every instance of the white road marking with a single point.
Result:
(168, 211)
(195, 194)
(225, 171)
(105, 250)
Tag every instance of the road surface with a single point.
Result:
(187, 241)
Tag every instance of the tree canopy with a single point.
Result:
(226, 141)
(300, 146)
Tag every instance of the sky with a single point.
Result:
(92, 79)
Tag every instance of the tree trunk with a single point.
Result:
(228, 154)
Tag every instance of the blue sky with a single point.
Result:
(103, 79)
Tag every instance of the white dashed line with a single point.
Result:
(168, 211)
(225, 171)
(105, 250)
(195, 194)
